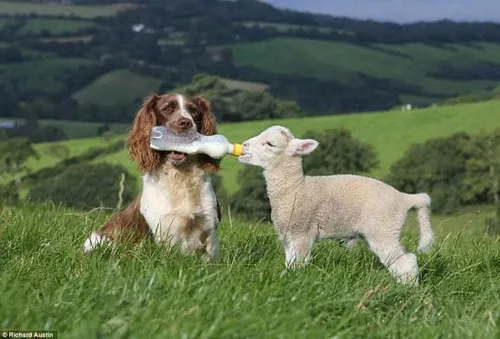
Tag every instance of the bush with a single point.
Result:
(339, 152)
(251, 199)
(437, 167)
(85, 186)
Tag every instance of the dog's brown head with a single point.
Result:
(181, 115)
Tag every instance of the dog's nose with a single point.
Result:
(245, 144)
(184, 123)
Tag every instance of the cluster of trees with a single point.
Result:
(230, 105)
(456, 171)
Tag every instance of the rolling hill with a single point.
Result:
(118, 87)
(369, 65)
(66, 10)
(411, 64)
(390, 132)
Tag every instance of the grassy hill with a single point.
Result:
(46, 75)
(118, 87)
(410, 64)
(390, 132)
(25, 8)
(321, 49)
(54, 26)
(146, 291)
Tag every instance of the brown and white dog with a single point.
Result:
(177, 205)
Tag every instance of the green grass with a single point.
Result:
(330, 60)
(54, 26)
(40, 75)
(118, 87)
(149, 292)
(88, 12)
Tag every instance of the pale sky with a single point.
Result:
(401, 11)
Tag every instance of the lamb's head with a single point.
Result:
(274, 144)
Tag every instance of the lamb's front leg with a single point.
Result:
(297, 250)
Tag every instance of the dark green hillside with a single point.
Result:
(325, 64)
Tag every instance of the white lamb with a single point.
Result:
(348, 207)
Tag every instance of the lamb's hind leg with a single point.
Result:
(297, 251)
(402, 265)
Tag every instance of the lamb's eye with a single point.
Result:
(268, 143)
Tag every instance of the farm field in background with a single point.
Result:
(333, 60)
(390, 132)
(117, 88)
(24, 8)
(54, 26)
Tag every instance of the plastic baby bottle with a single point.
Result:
(216, 146)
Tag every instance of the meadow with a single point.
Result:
(139, 291)
(118, 87)
(45, 75)
(333, 60)
(87, 12)
(54, 26)
(391, 133)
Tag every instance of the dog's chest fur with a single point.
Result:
(177, 205)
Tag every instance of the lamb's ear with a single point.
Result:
(301, 146)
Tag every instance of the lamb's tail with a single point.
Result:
(422, 202)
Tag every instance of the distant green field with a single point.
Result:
(340, 60)
(67, 39)
(79, 129)
(24, 8)
(54, 26)
(4, 22)
(40, 75)
(390, 132)
(120, 86)
(76, 147)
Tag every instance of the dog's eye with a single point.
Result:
(169, 106)
(268, 143)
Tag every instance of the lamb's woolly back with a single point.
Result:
(307, 208)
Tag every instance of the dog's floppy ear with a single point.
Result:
(208, 126)
(138, 138)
